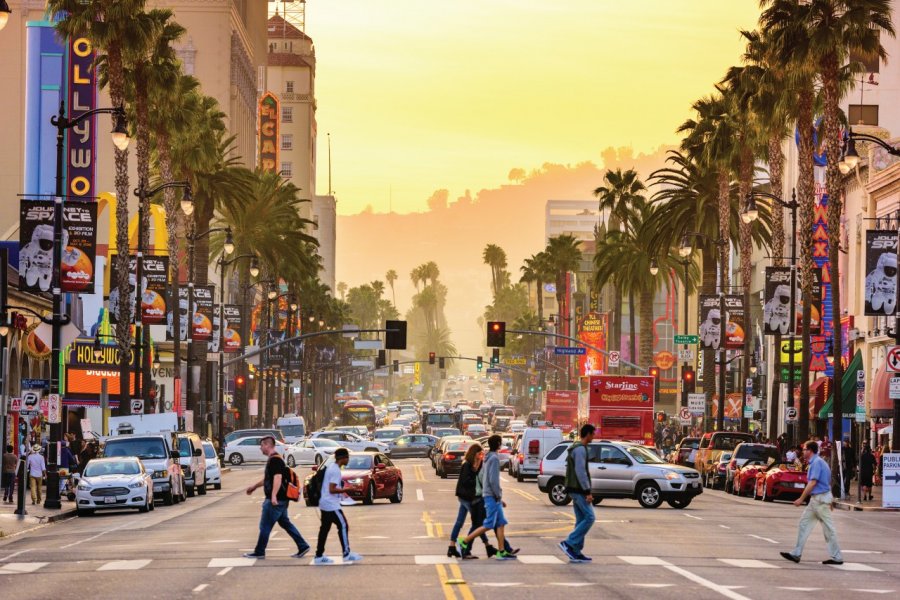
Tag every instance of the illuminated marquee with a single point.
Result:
(82, 97)
(268, 133)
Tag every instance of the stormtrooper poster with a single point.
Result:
(213, 344)
(203, 313)
(232, 332)
(710, 321)
(881, 273)
(777, 311)
(735, 331)
(79, 241)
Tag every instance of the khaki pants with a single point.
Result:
(818, 511)
(36, 483)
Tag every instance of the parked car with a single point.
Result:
(712, 445)
(717, 475)
(247, 450)
(242, 433)
(193, 463)
(310, 452)
(622, 470)
(367, 477)
(748, 452)
(351, 441)
(386, 434)
(120, 482)
(158, 456)
(744, 481)
(535, 442)
(213, 470)
(686, 451)
(413, 444)
(451, 459)
(780, 481)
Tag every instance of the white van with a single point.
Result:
(534, 444)
(293, 428)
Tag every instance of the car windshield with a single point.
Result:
(97, 468)
(758, 453)
(322, 442)
(387, 434)
(445, 432)
(293, 430)
(209, 451)
(363, 461)
(141, 447)
(184, 447)
(644, 456)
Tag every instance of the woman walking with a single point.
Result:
(867, 466)
(467, 494)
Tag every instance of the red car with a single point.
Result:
(744, 480)
(367, 477)
(780, 481)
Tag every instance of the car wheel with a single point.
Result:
(597, 501)
(201, 489)
(319, 460)
(398, 493)
(557, 492)
(169, 498)
(85, 512)
(370, 494)
(766, 496)
(678, 502)
(519, 476)
(217, 486)
(728, 489)
(146, 507)
(755, 491)
(235, 459)
(291, 462)
(649, 495)
(152, 504)
(443, 474)
(191, 491)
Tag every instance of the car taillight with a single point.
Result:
(521, 457)
(541, 468)
(449, 456)
(722, 467)
(504, 450)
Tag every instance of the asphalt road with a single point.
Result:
(720, 547)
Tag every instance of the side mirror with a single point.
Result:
(198, 451)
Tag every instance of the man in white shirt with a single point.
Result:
(330, 510)
(37, 471)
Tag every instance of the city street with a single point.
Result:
(720, 546)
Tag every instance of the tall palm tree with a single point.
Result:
(391, 277)
(495, 257)
(563, 255)
(342, 289)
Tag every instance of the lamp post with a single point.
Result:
(120, 139)
(684, 251)
(227, 249)
(748, 215)
(254, 271)
(273, 298)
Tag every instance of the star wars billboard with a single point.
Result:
(735, 330)
(79, 242)
(881, 273)
(777, 307)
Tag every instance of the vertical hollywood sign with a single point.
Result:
(82, 97)
(268, 133)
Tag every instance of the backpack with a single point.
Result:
(314, 487)
(293, 486)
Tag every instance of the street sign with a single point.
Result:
(687, 339)
(568, 350)
(35, 384)
(684, 415)
(137, 406)
(54, 409)
(253, 360)
(890, 494)
(514, 361)
(697, 404)
(367, 344)
(685, 354)
(791, 414)
(493, 370)
(748, 409)
(15, 405)
(612, 359)
(892, 360)
(364, 363)
(31, 400)
(894, 389)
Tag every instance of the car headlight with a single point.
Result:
(160, 474)
(355, 481)
(84, 487)
(672, 475)
(137, 485)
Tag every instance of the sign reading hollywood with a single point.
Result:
(881, 273)
(79, 241)
(81, 139)
(85, 372)
(268, 133)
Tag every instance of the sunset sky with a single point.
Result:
(421, 94)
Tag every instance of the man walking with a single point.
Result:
(9, 474)
(331, 513)
(578, 484)
(275, 506)
(818, 489)
(37, 471)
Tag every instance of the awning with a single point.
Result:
(848, 390)
(880, 403)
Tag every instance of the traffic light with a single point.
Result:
(654, 373)
(688, 379)
(431, 358)
(495, 356)
(395, 338)
(396, 366)
(531, 389)
(496, 334)
(441, 362)
(478, 363)
(660, 417)
(239, 383)
(759, 415)
(381, 360)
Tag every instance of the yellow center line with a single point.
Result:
(429, 526)
(442, 576)
(566, 515)
(439, 529)
(420, 475)
(463, 588)
(525, 495)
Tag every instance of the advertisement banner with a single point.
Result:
(881, 273)
(182, 314)
(268, 133)
(203, 313)
(592, 330)
(710, 321)
(609, 391)
(79, 239)
(232, 328)
(776, 308)
(155, 272)
(735, 332)
(81, 139)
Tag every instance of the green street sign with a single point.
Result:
(687, 339)
(785, 374)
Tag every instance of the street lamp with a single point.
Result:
(4, 13)
(654, 267)
(849, 155)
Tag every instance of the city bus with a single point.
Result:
(358, 412)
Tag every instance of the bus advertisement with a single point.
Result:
(561, 409)
(621, 408)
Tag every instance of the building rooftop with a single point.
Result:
(280, 29)
(284, 59)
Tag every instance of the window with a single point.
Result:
(287, 114)
(287, 141)
(286, 169)
(289, 87)
(863, 114)
(614, 456)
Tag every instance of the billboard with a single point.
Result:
(268, 133)
(881, 273)
(232, 328)
(608, 391)
(710, 321)
(155, 271)
(79, 239)
(735, 331)
(85, 372)
(592, 330)
(203, 313)
(776, 306)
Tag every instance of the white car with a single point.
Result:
(247, 450)
(351, 441)
(120, 482)
(517, 427)
(311, 451)
(402, 423)
(213, 471)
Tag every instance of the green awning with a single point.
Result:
(848, 389)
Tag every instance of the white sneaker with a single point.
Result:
(323, 560)
(352, 557)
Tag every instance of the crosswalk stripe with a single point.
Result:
(748, 563)
(125, 565)
(855, 567)
(800, 589)
(23, 567)
(539, 559)
(218, 563)
(644, 561)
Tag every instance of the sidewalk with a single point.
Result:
(13, 524)
(852, 503)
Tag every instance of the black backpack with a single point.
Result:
(314, 487)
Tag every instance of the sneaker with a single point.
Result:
(831, 561)
(323, 560)
(253, 555)
(461, 546)
(570, 554)
(584, 558)
(301, 553)
(504, 555)
(790, 557)
(352, 557)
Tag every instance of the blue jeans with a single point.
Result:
(584, 520)
(277, 514)
(465, 508)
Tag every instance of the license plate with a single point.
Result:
(800, 485)
(157, 488)
(695, 484)
(110, 500)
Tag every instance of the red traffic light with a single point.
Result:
(239, 381)
(431, 358)
(688, 375)
(654, 371)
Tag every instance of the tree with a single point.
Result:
(495, 257)
(563, 256)
(342, 288)
(391, 277)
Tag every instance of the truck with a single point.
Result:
(621, 408)
(560, 410)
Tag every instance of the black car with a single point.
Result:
(450, 462)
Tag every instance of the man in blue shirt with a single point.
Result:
(818, 489)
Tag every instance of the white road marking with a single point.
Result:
(231, 562)
(94, 537)
(873, 591)
(499, 584)
(800, 589)
(765, 539)
(851, 552)
(724, 526)
(644, 561)
(124, 565)
(693, 517)
(855, 567)
(747, 563)
(173, 543)
(420, 496)
(539, 559)
(17, 568)
(654, 561)
(504, 479)
(434, 559)
(572, 583)
(5, 558)
(653, 585)
(224, 571)
(200, 588)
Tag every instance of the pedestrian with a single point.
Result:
(867, 466)
(9, 473)
(848, 465)
(331, 513)
(37, 471)
(67, 464)
(493, 504)
(275, 507)
(466, 489)
(578, 485)
(818, 490)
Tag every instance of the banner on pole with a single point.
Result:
(881, 273)
(710, 321)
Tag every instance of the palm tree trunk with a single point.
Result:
(746, 248)
(646, 346)
(708, 286)
(724, 221)
(540, 301)
(776, 174)
(203, 215)
(807, 200)
(173, 227)
(632, 320)
(142, 154)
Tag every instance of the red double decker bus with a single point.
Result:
(621, 408)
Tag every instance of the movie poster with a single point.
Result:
(736, 329)
(777, 306)
(155, 271)
(203, 313)
(79, 241)
(232, 329)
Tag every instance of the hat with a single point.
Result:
(36, 448)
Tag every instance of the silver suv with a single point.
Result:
(622, 470)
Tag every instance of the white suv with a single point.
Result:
(351, 441)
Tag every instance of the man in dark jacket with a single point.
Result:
(578, 484)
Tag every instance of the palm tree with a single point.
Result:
(342, 289)
(391, 277)
(495, 257)
(563, 254)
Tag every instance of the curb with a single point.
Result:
(64, 515)
(858, 507)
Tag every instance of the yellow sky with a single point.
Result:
(427, 94)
